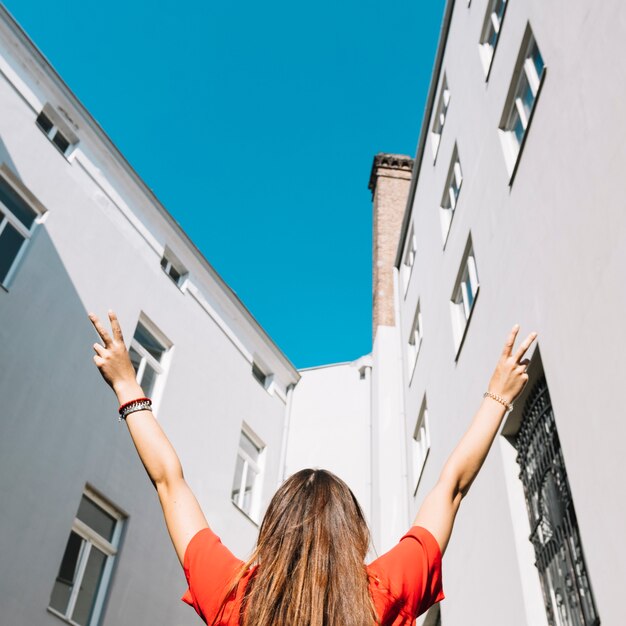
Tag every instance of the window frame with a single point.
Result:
(10, 179)
(408, 260)
(420, 449)
(253, 514)
(57, 126)
(442, 110)
(461, 308)
(172, 262)
(160, 367)
(414, 343)
(449, 200)
(525, 71)
(110, 548)
(487, 51)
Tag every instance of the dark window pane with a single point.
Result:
(61, 142)
(14, 202)
(44, 123)
(163, 262)
(65, 580)
(469, 294)
(492, 37)
(149, 342)
(174, 274)
(258, 373)
(515, 124)
(527, 97)
(519, 131)
(148, 379)
(499, 9)
(10, 243)
(96, 518)
(537, 60)
(89, 586)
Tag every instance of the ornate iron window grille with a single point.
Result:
(554, 530)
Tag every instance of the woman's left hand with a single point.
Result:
(510, 375)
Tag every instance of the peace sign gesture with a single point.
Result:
(510, 375)
(112, 358)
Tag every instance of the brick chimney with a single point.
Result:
(389, 182)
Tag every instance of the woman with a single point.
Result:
(307, 568)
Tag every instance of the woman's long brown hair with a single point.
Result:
(311, 550)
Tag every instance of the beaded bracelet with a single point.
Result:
(500, 399)
(140, 404)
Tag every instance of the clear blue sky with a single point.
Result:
(256, 124)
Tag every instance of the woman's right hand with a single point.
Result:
(112, 358)
(510, 375)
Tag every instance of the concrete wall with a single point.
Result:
(329, 425)
(390, 487)
(551, 255)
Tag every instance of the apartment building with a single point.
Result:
(513, 215)
(82, 539)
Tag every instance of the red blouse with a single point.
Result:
(404, 582)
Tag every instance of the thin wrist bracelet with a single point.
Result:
(500, 399)
(140, 404)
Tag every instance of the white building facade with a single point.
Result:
(82, 537)
(513, 217)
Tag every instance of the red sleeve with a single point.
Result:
(411, 571)
(209, 568)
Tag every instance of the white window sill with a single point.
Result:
(246, 515)
(62, 617)
(182, 286)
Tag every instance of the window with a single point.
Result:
(409, 259)
(491, 32)
(265, 380)
(420, 444)
(451, 193)
(85, 571)
(147, 354)
(555, 535)
(173, 268)
(246, 491)
(520, 102)
(259, 374)
(18, 220)
(440, 116)
(464, 295)
(415, 341)
(57, 130)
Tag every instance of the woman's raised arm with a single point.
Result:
(183, 515)
(440, 506)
